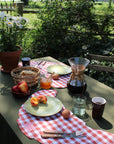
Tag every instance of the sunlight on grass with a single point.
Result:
(104, 8)
(31, 17)
(99, 9)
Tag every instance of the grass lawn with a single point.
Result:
(31, 17)
(104, 8)
(99, 10)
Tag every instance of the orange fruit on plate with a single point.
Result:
(42, 99)
(34, 101)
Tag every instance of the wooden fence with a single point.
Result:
(7, 8)
(15, 6)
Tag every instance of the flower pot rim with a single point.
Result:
(18, 49)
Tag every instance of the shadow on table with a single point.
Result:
(85, 117)
(104, 124)
(7, 82)
(88, 101)
(7, 135)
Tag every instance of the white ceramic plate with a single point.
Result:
(59, 69)
(52, 107)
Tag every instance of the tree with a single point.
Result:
(110, 3)
(25, 2)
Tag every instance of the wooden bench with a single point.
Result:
(99, 66)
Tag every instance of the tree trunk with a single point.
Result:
(110, 3)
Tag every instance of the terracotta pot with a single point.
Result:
(9, 60)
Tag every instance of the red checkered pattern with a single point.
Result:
(45, 92)
(61, 83)
(33, 126)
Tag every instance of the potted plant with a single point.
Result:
(12, 31)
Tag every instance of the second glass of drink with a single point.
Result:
(45, 81)
(79, 104)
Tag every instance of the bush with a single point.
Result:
(62, 28)
(58, 27)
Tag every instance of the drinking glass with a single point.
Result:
(45, 81)
(79, 104)
(26, 61)
(98, 104)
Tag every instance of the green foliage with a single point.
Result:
(53, 34)
(63, 28)
(26, 45)
(34, 4)
(11, 32)
(70, 28)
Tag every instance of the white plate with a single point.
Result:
(52, 107)
(59, 69)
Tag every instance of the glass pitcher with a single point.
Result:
(76, 83)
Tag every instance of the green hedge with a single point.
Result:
(63, 28)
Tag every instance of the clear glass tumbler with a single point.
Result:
(79, 104)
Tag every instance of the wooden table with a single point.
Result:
(9, 106)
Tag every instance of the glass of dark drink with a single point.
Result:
(98, 104)
(26, 61)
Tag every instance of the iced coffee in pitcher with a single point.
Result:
(76, 83)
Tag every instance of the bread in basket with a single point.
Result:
(27, 73)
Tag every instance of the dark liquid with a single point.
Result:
(26, 61)
(97, 110)
(77, 90)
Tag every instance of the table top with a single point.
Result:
(9, 105)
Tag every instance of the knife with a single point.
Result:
(60, 134)
(41, 64)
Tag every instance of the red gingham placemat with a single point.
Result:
(32, 127)
(60, 83)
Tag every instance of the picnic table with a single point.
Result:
(10, 106)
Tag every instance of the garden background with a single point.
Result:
(64, 29)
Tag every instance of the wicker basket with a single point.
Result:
(30, 79)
